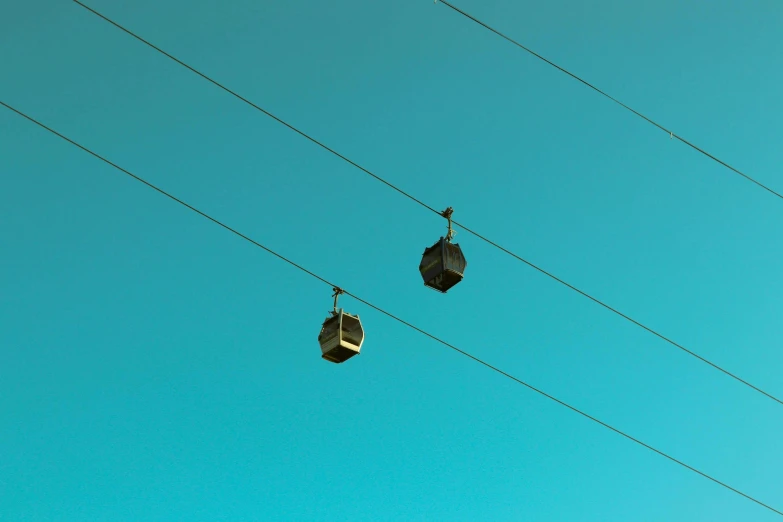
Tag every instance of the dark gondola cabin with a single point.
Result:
(442, 265)
(341, 336)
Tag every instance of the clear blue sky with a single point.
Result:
(154, 367)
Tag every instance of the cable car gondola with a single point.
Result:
(443, 264)
(341, 334)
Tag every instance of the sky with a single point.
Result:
(155, 367)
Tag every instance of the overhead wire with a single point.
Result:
(384, 312)
(606, 95)
(428, 207)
